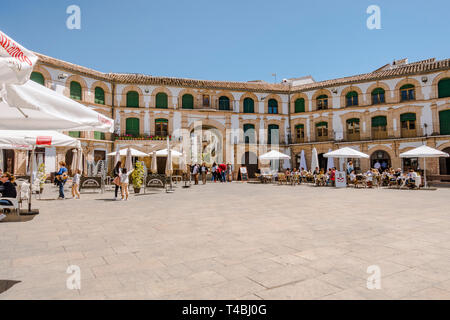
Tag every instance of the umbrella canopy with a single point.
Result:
(16, 62)
(303, 160)
(314, 160)
(39, 138)
(154, 168)
(169, 167)
(117, 156)
(345, 152)
(134, 153)
(182, 163)
(274, 155)
(128, 160)
(423, 152)
(330, 162)
(164, 153)
(32, 106)
(74, 166)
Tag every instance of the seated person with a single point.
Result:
(352, 177)
(7, 189)
(411, 177)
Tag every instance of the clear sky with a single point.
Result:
(232, 40)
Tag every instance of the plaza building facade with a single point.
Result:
(382, 113)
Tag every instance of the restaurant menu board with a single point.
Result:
(341, 179)
(244, 174)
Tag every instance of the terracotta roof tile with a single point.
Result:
(424, 66)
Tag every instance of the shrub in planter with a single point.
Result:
(137, 177)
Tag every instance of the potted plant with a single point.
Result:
(42, 177)
(138, 177)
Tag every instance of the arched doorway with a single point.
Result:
(382, 157)
(444, 163)
(322, 161)
(250, 160)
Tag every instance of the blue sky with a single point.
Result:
(232, 40)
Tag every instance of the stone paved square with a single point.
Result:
(232, 241)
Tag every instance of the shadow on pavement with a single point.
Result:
(5, 285)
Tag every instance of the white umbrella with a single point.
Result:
(74, 160)
(1, 158)
(303, 161)
(33, 139)
(117, 156)
(134, 153)
(345, 152)
(128, 160)
(424, 152)
(154, 168)
(164, 153)
(169, 167)
(274, 155)
(16, 62)
(35, 107)
(182, 163)
(314, 159)
(330, 162)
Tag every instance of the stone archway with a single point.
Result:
(381, 157)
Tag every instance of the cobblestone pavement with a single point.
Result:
(232, 241)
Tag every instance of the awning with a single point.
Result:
(26, 139)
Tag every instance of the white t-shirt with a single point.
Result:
(76, 179)
(124, 177)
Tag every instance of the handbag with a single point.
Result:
(116, 181)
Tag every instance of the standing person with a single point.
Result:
(61, 177)
(377, 165)
(76, 184)
(116, 173)
(195, 173)
(383, 166)
(124, 181)
(7, 189)
(223, 172)
(333, 177)
(230, 172)
(214, 172)
(204, 171)
(350, 167)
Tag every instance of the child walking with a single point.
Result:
(124, 181)
(76, 185)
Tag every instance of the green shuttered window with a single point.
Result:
(379, 121)
(75, 90)
(132, 99)
(444, 88)
(249, 133)
(408, 117)
(300, 105)
(224, 103)
(99, 95)
(273, 106)
(161, 100)
(132, 126)
(444, 122)
(99, 135)
(37, 77)
(187, 102)
(249, 105)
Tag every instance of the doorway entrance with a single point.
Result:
(381, 157)
(250, 160)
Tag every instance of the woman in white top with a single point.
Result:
(124, 181)
(76, 185)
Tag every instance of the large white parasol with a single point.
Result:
(424, 152)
